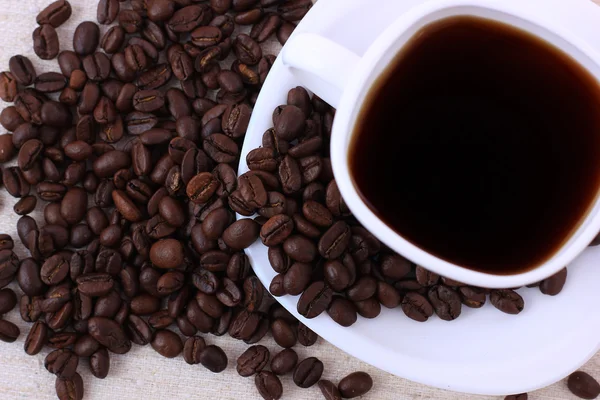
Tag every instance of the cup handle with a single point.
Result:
(321, 65)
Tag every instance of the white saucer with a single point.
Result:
(482, 352)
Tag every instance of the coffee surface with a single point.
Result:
(480, 144)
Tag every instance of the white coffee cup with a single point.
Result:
(343, 79)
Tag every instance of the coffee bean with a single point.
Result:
(472, 297)
(241, 234)
(154, 77)
(167, 253)
(167, 343)
(315, 299)
(86, 346)
(100, 363)
(329, 390)
(308, 372)
(55, 14)
(202, 187)
(109, 334)
(36, 338)
(247, 50)
(268, 385)
(507, 301)
(22, 70)
(253, 360)
(213, 358)
(554, 284)
(416, 307)
(583, 385)
(192, 349)
(138, 330)
(9, 332)
(63, 363)
(107, 11)
(356, 384)
(342, 311)
(445, 302)
(86, 38)
(95, 284)
(70, 388)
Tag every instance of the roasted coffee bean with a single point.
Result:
(109, 334)
(113, 39)
(294, 10)
(9, 332)
(268, 385)
(138, 330)
(247, 50)
(154, 77)
(54, 270)
(8, 300)
(36, 338)
(283, 333)
(290, 175)
(97, 67)
(126, 206)
(7, 148)
(130, 20)
(221, 148)
(192, 349)
(299, 248)
(329, 390)
(445, 301)
(507, 301)
(356, 384)
(86, 38)
(253, 360)
(86, 346)
(70, 388)
(314, 300)
(335, 240)
(50, 82)
(55, 14)
(45, 42)
(583, 385)
(22, 70)
(167, 343)
(308, 372)
(202, 187)
(100, 363)
(213, 358)
(554, 284)
(472, 297)
(241, 234)
(62, 362)
(8, 87)
(416, 307)
(95, 284)
(138, 123)
(107, 11)
(342, 311)
(284, 362)
(167, 253)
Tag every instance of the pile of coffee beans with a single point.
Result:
(133, 153)
(132, 150)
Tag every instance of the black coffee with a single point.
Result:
(480, 144)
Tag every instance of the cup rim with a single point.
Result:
(385, 49)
